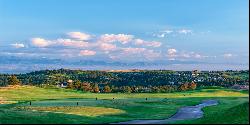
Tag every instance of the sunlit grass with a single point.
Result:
(60, 105)
(75, 110)
(229, 111)
(36, 93)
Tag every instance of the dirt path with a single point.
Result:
(185, 113)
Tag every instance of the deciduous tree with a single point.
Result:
(12, 80)
(107, 89)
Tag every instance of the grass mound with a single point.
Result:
(237, 115)
(229, 111)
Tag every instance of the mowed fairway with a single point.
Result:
(60, 105)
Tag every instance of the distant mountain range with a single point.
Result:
(25, 60)
(14, 64)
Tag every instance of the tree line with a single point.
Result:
(130, 82)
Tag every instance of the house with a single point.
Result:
(195, 73)
(65, 84)
(241, 87)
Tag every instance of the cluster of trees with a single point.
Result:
(87, 87)
(9, 80)
(106, 88)
(187, 86)
(138, 81)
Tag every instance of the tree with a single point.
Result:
(77, 84)
(86, 87)
(192, 86)
(126, 89)
(107, 89)
(96, 88)
(12, 80)
(183, 87)
(70, 85)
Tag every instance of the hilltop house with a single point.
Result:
(64, 84)
(195, 73)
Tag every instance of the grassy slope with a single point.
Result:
(35, 93)
(229, 111)
(135, 105)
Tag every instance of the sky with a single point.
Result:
(207, 31)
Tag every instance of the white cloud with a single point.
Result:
(139, 41)
(185, 31)
(163, 33)
(172, 59)
(153, 44)
(40, 42)
(172, 51)
(194, 55)
(151, 54)
(87, 53)
(139, 54)
(146, 43)
(168, 31)
(79, 35)
(160, 35)
(107, 46)
(71, 43)
(133, 50)
(228, 55)
(18, 45)
(123, 38)
(185, 55)
(198, 56)
(113, 57)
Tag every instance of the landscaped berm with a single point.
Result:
(30, 104)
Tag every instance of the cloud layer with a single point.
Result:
(18, 45)
(79, 36)
(108, 46)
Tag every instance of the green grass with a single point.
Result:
(135, 108)
(76, 110)
(106, 110)
(229, 111)
(35, 93)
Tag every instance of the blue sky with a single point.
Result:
(211, 31)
